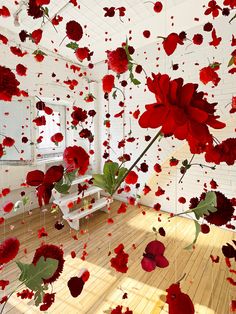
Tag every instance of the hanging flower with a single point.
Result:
(8, 141)
(231, 3)
(223, 152)
(76, 158)
(50, 251)
(21, 70)
(119, 262)
(57, 138)
(209, 74)
(180, 111)
(8, 84)
(36, 36)
(78, 115)
(34, 10)
(131, 178)
(9, 248)
(82, 53)
(74, 31)
(117, 60)
(108, 83)
(154, 256)
(170, 43)
(213, 8)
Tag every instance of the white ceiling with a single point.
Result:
(139, 16)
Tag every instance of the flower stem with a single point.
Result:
(136, 161)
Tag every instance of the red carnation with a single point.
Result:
(75, 157)
(8, 84)
(8, 141)
(21, 70)
(117, 60)
(223, 152)
(154, 256)
(82, 53)
(57, 138)
(34, 10)
(74, 31)
(170, 43)
(78, 115)
(197, 39)
(37, 36)
(119, 262)
(209, 74)
(8, 250)
(131, 178)
(180, 111)
(54, 252)
(35, 177)
(108, 83)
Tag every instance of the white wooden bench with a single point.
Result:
(73, 217)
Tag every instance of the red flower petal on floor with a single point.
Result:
(108, 83)
(8, 141)
(35, 177)
(4, 283)
(42, 233)
(9, 248)
(117, 60)
(119, 262)
(75, 158)
(8, 207)
(122, 209)
(37, 36)
(131, 178)
(170, 43)
(4, 12)
(8, 84)
(50, 251)
(21, 69)
(179, 302)
(74, 31)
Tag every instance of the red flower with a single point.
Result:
(18, 52)
(213, 9)
(209, 74)
(8, 141)
(54, 174)
(131, 178)
(42, 2)
(122, 209)
(50, 251)
(158, 7)
(119, 309)
(231, 3)
(9, 248)
(8, 207)
(180, 111)
(56, 20)
(119, 262)
(37, 36)
(34, 10)
(197, 39)
(215, 40)
(75, 158)
(154, 256)
(179, 302)
(223, 152)
(117, 60)
(108, 83)
(8, 84)
(48, 300)
(76, 284)
(3, 39)
(40, 121)
(25, 294)
(44, 193)
(74, 31)
(4, 283)
(82, 53)
(35, 177)
(21, 69)
(89, 98)
(39, 57)
(57, 138)
(224, 212)
(4, 12)
(42, 233)
(170, 43)
(174, 162)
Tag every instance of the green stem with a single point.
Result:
(136, 162)
(120, 91)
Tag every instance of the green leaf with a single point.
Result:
(99, 180)
(185, 162)
(121, 173)
(114, 94)
(62, 188)
(25, 200)
(206, 206)
(198, 230)
(32, 275)
(231, 62)
(46, 11)
(70, 176)
(72, 45)
(136, 82)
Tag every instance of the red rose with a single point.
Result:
(74, 31)
(8, 141)
(37, 36)
(131, 178)
(57, 138)
(208, 74)
(9, 248)
(117, 60)
(108, 83)
(75, 158)
(180, 111)
(8, 84)
(21, 70)
(35, 177)
(82, 53)
(223, 152)
(170, 43)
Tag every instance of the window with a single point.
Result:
(55, 123)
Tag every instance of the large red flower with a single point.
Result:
(8, 250)
(50, 251)
(180, 111)
(117, 60)
(223, 152)
(74, 30)
(75, 157)
(8, 84)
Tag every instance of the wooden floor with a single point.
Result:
(205, 282)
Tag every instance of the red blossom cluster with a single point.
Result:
(120, 261)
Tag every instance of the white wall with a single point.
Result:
(154, 60)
